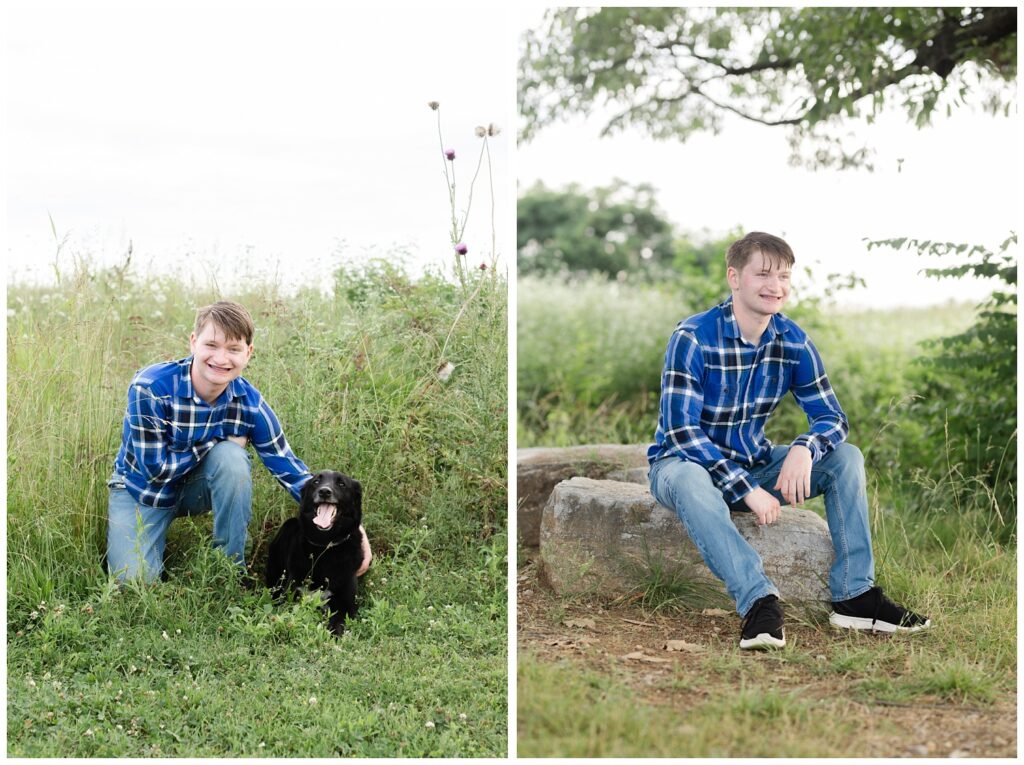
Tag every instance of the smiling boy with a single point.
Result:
(725, 371)
(183, 448)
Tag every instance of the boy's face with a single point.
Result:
(218, 360)
(762, 285)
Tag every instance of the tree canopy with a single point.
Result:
(612, 229)
(677, 71)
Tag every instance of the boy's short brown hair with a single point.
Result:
(230, 317)
(772, 247)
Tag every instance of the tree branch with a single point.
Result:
(744, 115)
(784, 64)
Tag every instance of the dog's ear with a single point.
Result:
(307, 487)
(357, 494)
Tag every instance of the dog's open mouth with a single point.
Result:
(325, 515)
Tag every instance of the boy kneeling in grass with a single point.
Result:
(725, 372)
(183, 448)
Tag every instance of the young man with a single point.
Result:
(725, 371)
(183, 448)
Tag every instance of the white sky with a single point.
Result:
(264, 136)
(254, 134)
(959, 182)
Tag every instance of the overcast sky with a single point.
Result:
(959, 182)
(243, 136)
(254, 137)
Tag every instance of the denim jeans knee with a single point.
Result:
(222, 483)
(136, 535)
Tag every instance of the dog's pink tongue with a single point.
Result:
(324, 515)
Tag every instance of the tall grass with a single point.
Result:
(352, 373)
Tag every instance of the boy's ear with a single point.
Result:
(731, 276)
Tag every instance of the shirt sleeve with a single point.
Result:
(812, 390)
(148, 417)
(682, 400)
(272, 447)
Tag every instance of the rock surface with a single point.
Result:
(538, 470)
(606, 537)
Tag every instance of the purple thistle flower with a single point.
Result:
(450, 153)
(461, 248)
(483, 266)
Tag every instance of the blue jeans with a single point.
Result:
(686, 487)
(221, 483)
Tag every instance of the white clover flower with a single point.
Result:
(445, 371)
(430, 724)
(462, 716)
(312, 700)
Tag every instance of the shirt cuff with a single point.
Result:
(733, 481)
(811, 442)
(200, 450)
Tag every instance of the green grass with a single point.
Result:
(198, 666)
(747, 722)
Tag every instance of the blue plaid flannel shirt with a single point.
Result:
(717, 391)
(168, 429)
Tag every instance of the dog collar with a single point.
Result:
(329, 545)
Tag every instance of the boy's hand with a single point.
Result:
(367, 553)
(763, 505)
(240, 440)
(795, 477)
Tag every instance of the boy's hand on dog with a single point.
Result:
(367, 553)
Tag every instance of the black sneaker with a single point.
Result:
(872, 610)
(762, 626)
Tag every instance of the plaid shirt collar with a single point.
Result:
(185, 390)
(732, 327)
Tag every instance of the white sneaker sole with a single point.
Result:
(763, 641)
(863, 623)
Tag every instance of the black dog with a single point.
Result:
(322, 547)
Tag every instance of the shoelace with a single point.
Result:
(881, 600)
(878, 604)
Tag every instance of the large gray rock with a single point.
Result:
(538, 470)
(609, 537)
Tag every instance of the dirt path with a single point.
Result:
(629, 644)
